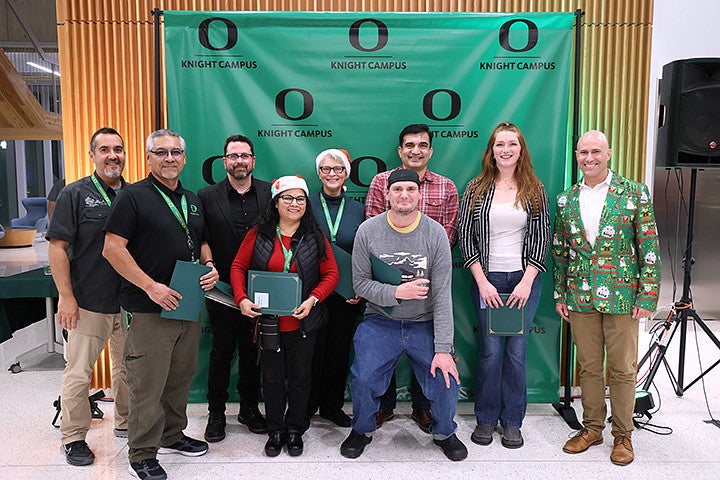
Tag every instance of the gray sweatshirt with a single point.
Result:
(422, 253)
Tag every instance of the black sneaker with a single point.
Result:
(250, 415)
(78, 453)
(215, 430)
(453, 448)
(147, 469)
(186, 446)
(354, 444)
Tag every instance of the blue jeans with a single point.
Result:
(500, 386)
(379, 341)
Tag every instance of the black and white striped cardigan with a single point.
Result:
(474, 232)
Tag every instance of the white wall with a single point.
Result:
(681, 29)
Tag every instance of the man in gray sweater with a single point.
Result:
(414, 317)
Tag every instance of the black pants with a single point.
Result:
(388, 401)
(294, 363)
(332, 356)
(231, 331)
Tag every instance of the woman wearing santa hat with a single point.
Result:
(287, 239)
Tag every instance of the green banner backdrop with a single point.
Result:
(299, 82)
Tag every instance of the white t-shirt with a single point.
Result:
(507, 233)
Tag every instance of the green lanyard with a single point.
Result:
(100, 189)
(182, 219)
(333, 227)
(286, 253)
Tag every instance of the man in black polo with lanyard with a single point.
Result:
(154, 223)
(88, 290)
(231, 207)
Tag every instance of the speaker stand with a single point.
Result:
(682, 312)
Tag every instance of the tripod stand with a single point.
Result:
(682, 312)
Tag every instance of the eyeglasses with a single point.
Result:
(337, 169)
(288, 199)
(241, 156)
(165, 153)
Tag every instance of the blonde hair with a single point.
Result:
(529, 185)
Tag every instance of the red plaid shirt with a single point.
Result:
(439, 200)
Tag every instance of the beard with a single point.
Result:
(405, 210)
(112, 173)
(239, 174)
(169, 175)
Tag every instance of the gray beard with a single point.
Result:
(112, 173)
(239, 175)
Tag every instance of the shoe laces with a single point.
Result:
(250, 413)
(216, 417)
(147, 465)
(622, 439)
(582, 433)
(80, 447)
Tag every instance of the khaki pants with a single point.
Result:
(82, 349)
(161, 358)
(596, 334)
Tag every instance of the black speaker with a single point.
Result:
(689, 115)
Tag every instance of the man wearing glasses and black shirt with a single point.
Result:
(152, 224)
(231, 207)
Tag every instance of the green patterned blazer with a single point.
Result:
(622, 270)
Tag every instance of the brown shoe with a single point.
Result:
(383, 416)
(582, 440)
(622, 452)
(423, 418)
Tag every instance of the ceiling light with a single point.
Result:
(44, 69)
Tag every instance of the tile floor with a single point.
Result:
(31, 448)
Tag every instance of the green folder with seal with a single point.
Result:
(186, 281)
(505, 321)
(277, 293)
(343, 260)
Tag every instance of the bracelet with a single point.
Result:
(209, 261)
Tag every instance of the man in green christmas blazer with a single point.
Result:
(606, 276)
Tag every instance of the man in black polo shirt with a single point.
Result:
(154, 223)
(231, 207)
(88, 288)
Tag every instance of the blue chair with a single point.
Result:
(36, 216)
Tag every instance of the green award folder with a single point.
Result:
(505, 321)
(186, 281)
(277, 293)
(385, 273)
(222, 294)
(344, 264)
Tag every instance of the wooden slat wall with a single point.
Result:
(106, 58)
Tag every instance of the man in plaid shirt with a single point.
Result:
(439, 201)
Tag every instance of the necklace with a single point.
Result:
(507, 185)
